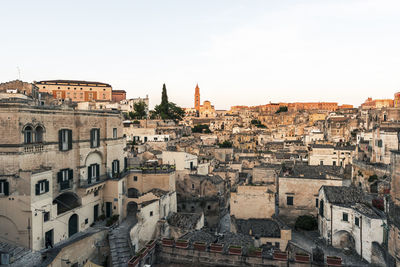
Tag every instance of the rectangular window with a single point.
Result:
(96, 193)
(94, 138)
(316, 202)
(135, 178)
(151, 213)
(46, 216)
(334, 163)
(114, 133)
(321, 163)
(115, 167)
(93, 173)
(65, 139)
(4, 186)
(357, 221)
(345, 217)
(42, 187)
(64, 176)
(289, 201)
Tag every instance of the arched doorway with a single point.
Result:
(133, 193)
(72, 225)
(131, 208)
(343, 239)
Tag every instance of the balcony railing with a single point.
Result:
(34, 148)
(85, 183)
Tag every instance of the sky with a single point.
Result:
(240, 52)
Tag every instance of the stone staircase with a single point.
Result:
(119, 240)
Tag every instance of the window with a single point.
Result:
(65, 139)
(93, 173)
(114, 133)
(357, 221)
(316, 202)
(96, 193)
(115, 168)
(289, 200)
(86, 221)
(94, 138)
(345, 217)
(334, 163)
(42, 187)
(151, 213)
(39, 134)
(321, 163)
(321, 208)
(46, 216)
(4, 188)
(192, 186)
(28, 135)
(135, 178)
(63, 178)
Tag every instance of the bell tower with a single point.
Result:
(197, 98)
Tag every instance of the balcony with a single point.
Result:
(84, 183)
(64, 185)
(34, 148)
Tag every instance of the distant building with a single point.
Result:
(204, 111)
(118, 95)
(128, 105)
(76, 91)
(377, 103)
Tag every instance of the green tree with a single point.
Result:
(167, 110)
(201, 128)
(282, 109)
(225, 144)
(164, 107)
(140, 110)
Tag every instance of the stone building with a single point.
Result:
(384, 139)
(54, 164)
(77, 91)
(118, 95)
(394, 209)
(298, 189)
(128, 105)
(253, 202)
(21, 87)
(324, 154)
(206, 194)
(346, 220)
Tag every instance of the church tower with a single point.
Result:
(197, 98)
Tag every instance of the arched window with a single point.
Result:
(28, 138)
(39, 134)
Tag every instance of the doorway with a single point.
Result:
(108, 209)
(72, 225)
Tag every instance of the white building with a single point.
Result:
(181, 160)
(330, 155)
(347, 221)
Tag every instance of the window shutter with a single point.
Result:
(112, 167)
(46, 186)
(70, 174)
(89, 174)
(37, 189)
(98, 137)
(91, 138)
(60, 140)
(117, 166)
(6, 188)
(59, 177)
(125, 163)
(69, 139)
(97, 171)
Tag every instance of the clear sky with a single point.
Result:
(245, 52)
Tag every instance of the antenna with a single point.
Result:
(19, 73)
